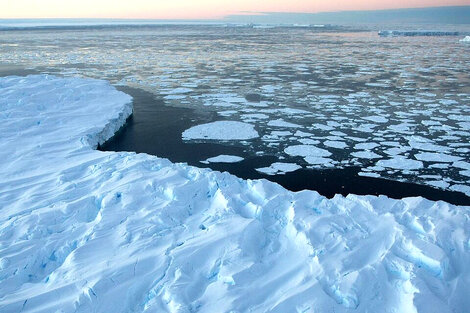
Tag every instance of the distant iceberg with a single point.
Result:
(466, 39)
(414, 33)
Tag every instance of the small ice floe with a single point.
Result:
(227, 112)
(221, 130)
(436, 157)
(366, 146)
(255, 116)
(465, 173)
(461, 188)
(315, 160)
(282, 123)
(368, 174)
(462, 164)
(335, 144)
(437, 183)
(306, 151)
(174, 97)
(400, 163)
(178, 91)
(366, 155)
(279, 168)
(224, 100)
(311, 154)
(223, 158)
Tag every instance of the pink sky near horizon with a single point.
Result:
(191, 9)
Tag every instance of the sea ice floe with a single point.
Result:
(366, 146)
(221, 130)
(177, 91)
(376, 118)
(223, 158)
(462, 164)
(306, 151)
(300, 133)
(436, 157)
(400, 163)
(421, 143)
(366, 155)
(397, 150)
(255, 116)
(279, 168)
(174, 97)
(283, 124)
(308, 141)
(322, 127)
(465, 173)
(461, 188)
(227, 112)
(335, 144)
(438, 183)
(369, 174)
(316, 160)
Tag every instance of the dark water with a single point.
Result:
(156, 129)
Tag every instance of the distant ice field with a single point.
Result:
(83, 230)
(397, 107)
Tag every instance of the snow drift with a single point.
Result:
(89, 231)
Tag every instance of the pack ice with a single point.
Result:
(89, 231)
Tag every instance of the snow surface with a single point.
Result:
(89, 231)
(221, 130)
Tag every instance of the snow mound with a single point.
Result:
(89, 231)
(221, 130)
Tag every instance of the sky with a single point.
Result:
(194, 9)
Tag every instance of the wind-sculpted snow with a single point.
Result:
(89, 231)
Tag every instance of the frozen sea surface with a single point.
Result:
(83, 230)
(330, 89)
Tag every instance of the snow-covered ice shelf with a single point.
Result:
(89, 231)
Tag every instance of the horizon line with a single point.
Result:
(237, 14)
